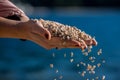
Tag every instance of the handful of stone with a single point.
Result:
(66, 32)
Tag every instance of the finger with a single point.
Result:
(88, 42)
(91, 42)
(94, 42)
(44, 32)
(81, 43)
(47, 34)
(40, 41)
(74, 44)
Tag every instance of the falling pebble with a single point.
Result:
(85, 53)
(64, 55)
(55, 79)
(98, 65)
(71, 54)
(79, 72)
(89, 67)
(93, 72)
(78, 65)
(92, 79)
(103, 77)
(60, 77)
(96, 78)
(99, 52)
(83, 73)
(93, 61)
(71, 60)
(82, 63)
(51, 65)
(56, 71)
(53, 54)
(89, 49)
(103, 61)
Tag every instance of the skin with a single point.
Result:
(34, 31)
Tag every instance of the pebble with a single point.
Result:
(53, 54)
(64, 55)
(83, 73)
(60, 77)
(96, 78)
(56, 71)
(78, 65)
(55, 79)
(51, 65)
(71, 54)
(99, 64)
(71, 60)
(99, 52)
(103, 77)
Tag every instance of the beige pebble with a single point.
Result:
(53, 54)
(85, 53)
(71, 54)
(55, 79)
(51, 65)
(99, 64)
(56, 71)
(78, 65)
(103, 61)
(83, 73)
(99, 52)
(60, 77)
(64, 55)
(96, 78)
(71, 60)
(103, 77)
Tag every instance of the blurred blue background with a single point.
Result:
(28, 61)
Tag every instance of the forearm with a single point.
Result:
(8, 28)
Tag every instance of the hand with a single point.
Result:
(57, 42)
(35, 32)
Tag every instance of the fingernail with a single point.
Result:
(94, 42)
(47, 36)
(83, 44)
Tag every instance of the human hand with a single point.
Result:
(58, 42)
(35, 32)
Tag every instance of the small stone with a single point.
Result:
(103, 61)
(55, 79)
(51, 65)
(53, 54)
(96, 78)
(71, 54)
(85, 53)
(64, 55)
(60, 77)
(103, 77)
(93, 72)
(79, 72)
(56, 71)
(83, 73)
(98, 65)
(78, 65)
(99, 52)
(71, 60)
